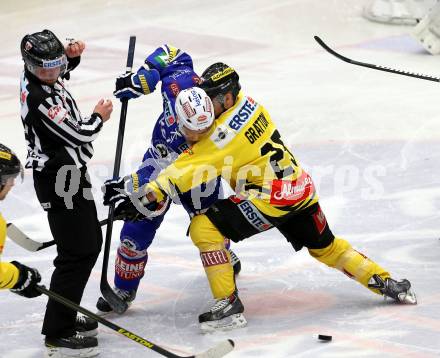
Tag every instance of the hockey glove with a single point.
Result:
(133, 85)
(27, 280)
(128, 211)
(117, 189)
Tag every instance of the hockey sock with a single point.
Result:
(340, 255)
(129, 270)
(215, 258)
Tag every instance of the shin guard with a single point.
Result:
(215, 257)
(340, 255)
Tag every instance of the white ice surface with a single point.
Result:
(371, 140)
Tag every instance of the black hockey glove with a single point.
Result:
(115, 190)
(128, 211)
(27, 280)
(125, 88)
(132, 85)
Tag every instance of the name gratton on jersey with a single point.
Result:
(262, 166)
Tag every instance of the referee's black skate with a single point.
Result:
(226, 314)
(103, 306)
(86, 326)
(71, 347)
(235, 262)
(398, 290)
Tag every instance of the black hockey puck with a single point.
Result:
(323, 337)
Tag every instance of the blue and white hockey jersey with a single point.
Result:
(176, 73)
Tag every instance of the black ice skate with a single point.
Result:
(86, 326)
(226, 314)
(397, 290)
(70, 347)
(104, 308)
(235, 262)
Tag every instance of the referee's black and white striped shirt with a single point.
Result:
(55, 131)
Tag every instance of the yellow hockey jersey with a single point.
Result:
(245, 148)
(8, 272)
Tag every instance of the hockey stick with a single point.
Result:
(374, 67)
(217, 351)
(117, 304)
(21, 239)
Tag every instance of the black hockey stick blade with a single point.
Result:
(217, 351)
(374, 67)
(116, 303)
(21, 239)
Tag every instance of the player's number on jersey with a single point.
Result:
(279, 149)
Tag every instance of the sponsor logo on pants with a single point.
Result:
(253, 216)
(320, 220)
(213, 258)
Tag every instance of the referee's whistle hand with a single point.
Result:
(104, 108)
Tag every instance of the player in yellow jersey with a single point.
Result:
(243, 145)
(13, 275)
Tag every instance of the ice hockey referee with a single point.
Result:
(59, 144)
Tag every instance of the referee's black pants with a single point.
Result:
(78, 239)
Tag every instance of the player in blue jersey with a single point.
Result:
(174, 68)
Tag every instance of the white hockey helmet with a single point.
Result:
(194, 109)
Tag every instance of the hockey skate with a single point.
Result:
(86, 326)
(103, 306)
(398, 290)
(74, 346)
(235, 262)
(226, 314)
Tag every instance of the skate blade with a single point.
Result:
(91, 333)
(61, 352)
(111, 313)
(226, 324)
(105, 314)
(408, 298)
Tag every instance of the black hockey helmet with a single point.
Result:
(43, 49)
(10, 166)
(220, 78)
